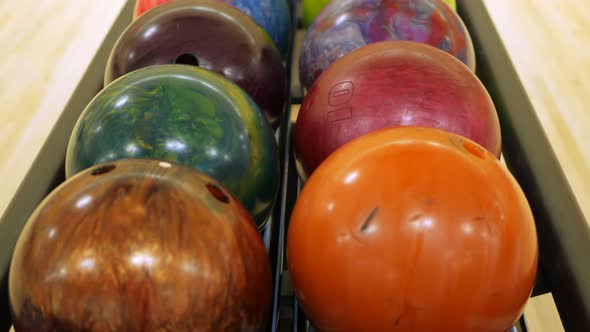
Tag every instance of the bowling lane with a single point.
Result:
(47, 46)
(549, 49)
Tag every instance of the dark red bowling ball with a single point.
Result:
(389, 84)
(212, 35)
(140, 246)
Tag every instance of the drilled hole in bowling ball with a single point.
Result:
(217, 193)
(187, 59)
(103, 169)
(474, 149)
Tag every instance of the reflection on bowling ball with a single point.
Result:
(272, 15)
(211, 35)
(388, 84)
(310, 9)
(412, 229)
(345, 25)
(140, 245)
(187, 115)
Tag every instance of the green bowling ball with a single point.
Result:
(187, 115)
(310, 9)
(452, 4)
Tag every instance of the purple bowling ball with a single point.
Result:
(345, 25)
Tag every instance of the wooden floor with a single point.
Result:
(47, 45)
(550, 48)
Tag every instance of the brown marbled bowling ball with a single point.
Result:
(140, 245)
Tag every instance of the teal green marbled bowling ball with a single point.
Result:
(187, 115)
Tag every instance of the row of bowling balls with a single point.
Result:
(407, 220)
(172, 170)
(196, 82)
(372, 64)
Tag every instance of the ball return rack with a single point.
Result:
(564, 234)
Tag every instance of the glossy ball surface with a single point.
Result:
(390, 84)
(272, 15)
(183, 114)
(412, 229)
(211, 35)
(345, 25)
(140, 246)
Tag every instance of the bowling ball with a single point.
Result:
(183, 114)
(388, 84)
(310, 9)
(345, 25)
(273, 15)
(211, 35)
(139, 245)
(412, 229)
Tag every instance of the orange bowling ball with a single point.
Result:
(412, 229)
